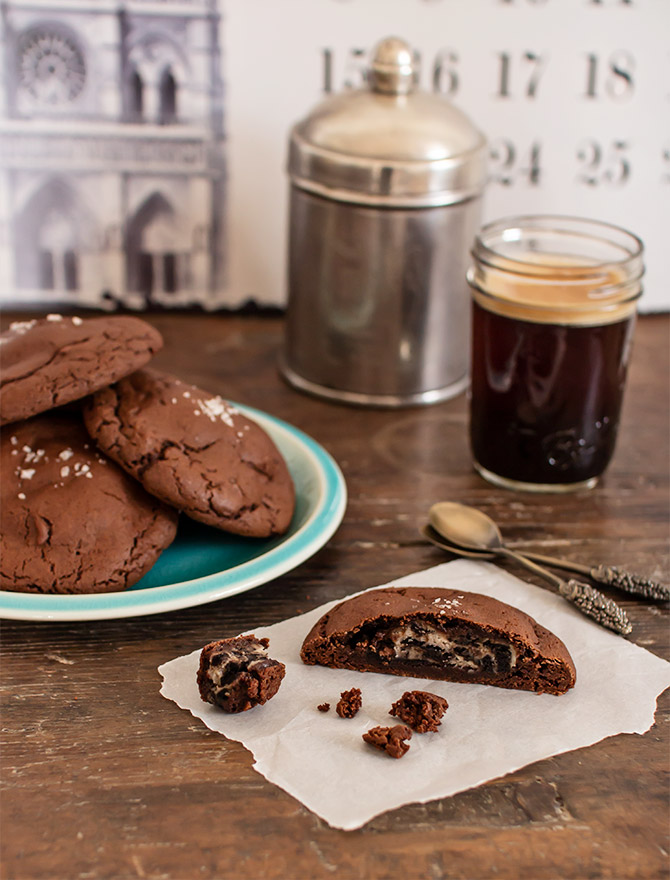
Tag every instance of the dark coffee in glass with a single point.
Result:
(553, 317)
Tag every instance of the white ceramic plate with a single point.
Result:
(204, 564)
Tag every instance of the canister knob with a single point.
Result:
(393, 70)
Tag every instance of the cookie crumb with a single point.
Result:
(421, 710)
(391, 740)
(349, 703)
(323, 707)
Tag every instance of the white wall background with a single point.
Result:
(574, 96)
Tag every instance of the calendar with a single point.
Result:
(143, 146)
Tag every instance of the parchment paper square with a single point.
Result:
(487, 732)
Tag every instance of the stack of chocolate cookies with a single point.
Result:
(99, 455)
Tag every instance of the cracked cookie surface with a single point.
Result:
(51, 361)
(71, 520)
(194, 451)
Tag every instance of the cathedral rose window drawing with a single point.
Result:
(51, 67)
(113, 154)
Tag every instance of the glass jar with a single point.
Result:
(554, 302)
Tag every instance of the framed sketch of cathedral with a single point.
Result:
(112, 154)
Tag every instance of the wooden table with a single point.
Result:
(103, 778)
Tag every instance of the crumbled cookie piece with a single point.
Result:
(391, 740)
(323, 707)
(237, 674)
(349, 703)
(421, 710)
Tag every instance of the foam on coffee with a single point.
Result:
(554, 289)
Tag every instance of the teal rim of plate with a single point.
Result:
(318, 528)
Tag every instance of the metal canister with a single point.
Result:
(386, 185)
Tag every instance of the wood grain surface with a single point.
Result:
(103, 778)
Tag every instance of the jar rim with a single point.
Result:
(556, 269)
(585, 229)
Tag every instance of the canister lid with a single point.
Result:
(389, 144)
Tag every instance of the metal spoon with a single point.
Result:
(466, 519)
(473, 530)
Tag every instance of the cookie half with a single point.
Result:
(441, 634)
(194, 451)
(54, 360)
(72, 521)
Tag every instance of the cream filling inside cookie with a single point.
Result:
(226, 664)
(418, 640)
(429, 644)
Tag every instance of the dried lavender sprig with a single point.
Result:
(592, 603)
(631, 583)
(610, 576)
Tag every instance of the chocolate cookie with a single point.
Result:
(54, 360)
(441, 634)
(71, 521)
(237, 674)
(194, 451)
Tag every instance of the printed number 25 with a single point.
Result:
(603, 164)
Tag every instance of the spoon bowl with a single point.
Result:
(435, 538)
(465, 526)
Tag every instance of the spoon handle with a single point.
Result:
(522, 559)
(592, 603)
(610, 576)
